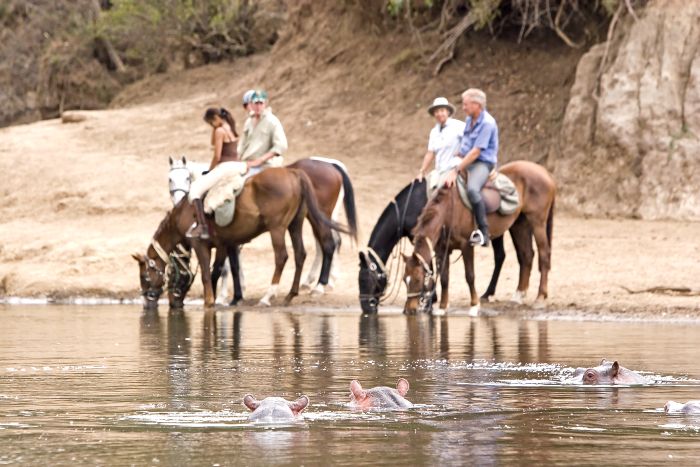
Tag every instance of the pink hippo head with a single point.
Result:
(381, 397)
(275, 409)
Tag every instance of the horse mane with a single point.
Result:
(433, 210)
(391, 211)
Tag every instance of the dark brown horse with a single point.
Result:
(446, 224)
(275, 200)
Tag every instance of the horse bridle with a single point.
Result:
(175, 190)
(154, 293)
(376, 266)
(430, 270)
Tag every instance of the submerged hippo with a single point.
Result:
(275, 409)
(381, 397)
(608, 373)
(690, 407)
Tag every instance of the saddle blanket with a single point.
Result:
(499, 193)
(221, 198)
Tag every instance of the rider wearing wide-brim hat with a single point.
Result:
(445, 138)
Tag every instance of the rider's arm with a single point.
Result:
(427, 161)
(218, 146)
(279, 146)
(471, 156)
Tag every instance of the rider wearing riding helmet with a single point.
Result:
(479, 154)
(263, 142)
(225, 161)
(444, 140)
(246, 100)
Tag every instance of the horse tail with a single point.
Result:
(348, 199)
(550, 224)
(308, 195)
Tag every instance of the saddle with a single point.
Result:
(221, 198)
(499, 193)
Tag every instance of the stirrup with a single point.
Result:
(477, 238)
(202, 234)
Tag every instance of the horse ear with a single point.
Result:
(170, 159)
(139, 257)
(250, 402)
(363, 259)
(184, 160)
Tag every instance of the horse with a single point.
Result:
(396, 222)
(333, 189)
(446, 224)
(275, 200)
(180, 176)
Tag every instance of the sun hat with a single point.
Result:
(441, 102)
(247, 96)
(259, 96)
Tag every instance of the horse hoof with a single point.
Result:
(305, 286)
(264, 302)
(330, 286)
(518, 297)
(317, 291)
(474, 310)
(440, 312)
(487, 298)
(540, 304)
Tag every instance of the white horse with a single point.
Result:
(183, 173)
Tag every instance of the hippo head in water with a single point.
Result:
(608, 373)
(689, 408)
(381, 397)
(275, 409)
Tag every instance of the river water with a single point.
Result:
(112, 385)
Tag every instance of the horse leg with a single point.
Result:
(499, 256)
(521, 233)
(277, 237)
(295, 232)
(543, 258)
(222, 288)
(468, 257)
(203, 253)
(312, 276)
(444, 286)
(234, 261)
(335, 264)
(323, 235)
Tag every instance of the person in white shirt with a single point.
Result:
(445, 139)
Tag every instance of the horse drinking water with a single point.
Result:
(275, 200)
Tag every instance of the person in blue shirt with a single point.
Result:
(479, 154)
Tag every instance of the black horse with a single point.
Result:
(397, 221)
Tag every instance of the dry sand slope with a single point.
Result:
(78, 198)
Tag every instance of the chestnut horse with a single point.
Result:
(275, 200)
(446, 224)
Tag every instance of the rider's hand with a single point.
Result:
(451, 177)
(420, 176)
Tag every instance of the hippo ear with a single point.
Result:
(251, 402)
(615, 369)
(402, 387)
(604, 361)
(356, 390)
(299, 405)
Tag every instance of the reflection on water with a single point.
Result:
(113, 384)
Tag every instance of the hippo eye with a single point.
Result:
(590, 375)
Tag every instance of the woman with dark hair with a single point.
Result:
(225, 161)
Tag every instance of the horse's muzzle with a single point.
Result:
(369, 305)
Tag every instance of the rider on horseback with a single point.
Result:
(479, 152)
(263, 141)
(445, 138)
(224, 162)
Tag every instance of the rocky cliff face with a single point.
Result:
(630, 141)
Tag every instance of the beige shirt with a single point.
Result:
(257, 140)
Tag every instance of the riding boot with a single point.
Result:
(481, 222)
(200, 230)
